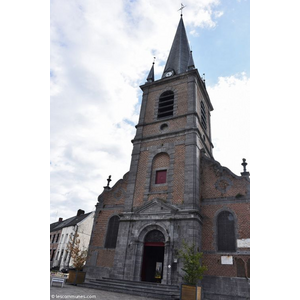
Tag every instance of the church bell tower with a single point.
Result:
(174, 125)
(162, 202)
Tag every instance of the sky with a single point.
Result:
(102, 51)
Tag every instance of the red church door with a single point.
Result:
(153, 258)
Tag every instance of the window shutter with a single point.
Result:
(165, 104)
(161, 177)
(203, 116)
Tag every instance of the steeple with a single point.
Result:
(191, 64)
(178, 60)
(150, 77)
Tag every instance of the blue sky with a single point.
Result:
(225, 49)
(101, 54)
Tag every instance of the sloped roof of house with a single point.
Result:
(53, 225)
(68, 222)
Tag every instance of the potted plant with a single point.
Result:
(193, 268)
(79, 257)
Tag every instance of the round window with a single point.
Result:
(164, 126)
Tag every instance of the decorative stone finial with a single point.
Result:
(108, 181)
(244, 164)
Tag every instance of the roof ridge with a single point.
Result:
(70, 221)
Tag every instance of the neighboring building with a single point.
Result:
(62, 231)
(54, 238)
(174, 191)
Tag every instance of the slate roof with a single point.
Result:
(68, 222)
(150, 77)
(53, 225)
(180, 51)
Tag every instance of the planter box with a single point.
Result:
(190, 292)
(76, 277)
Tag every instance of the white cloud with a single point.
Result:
(231, 121)
(201, 13)
(100, 53)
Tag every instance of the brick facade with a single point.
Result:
(223, 191)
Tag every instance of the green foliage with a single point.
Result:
(192, 265)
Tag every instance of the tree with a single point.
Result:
(79, 256)
(192, 265)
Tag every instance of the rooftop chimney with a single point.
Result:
(80, 212)
(60, 219)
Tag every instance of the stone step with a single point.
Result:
(135, 288)
(141, 283)
(148, 289)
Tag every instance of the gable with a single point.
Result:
(219, 182)
(156, 206)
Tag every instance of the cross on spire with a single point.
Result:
(181, 8)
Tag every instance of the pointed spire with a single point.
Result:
(179, 55)
(150, 77)
(191, 64)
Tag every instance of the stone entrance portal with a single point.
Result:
(153, 257)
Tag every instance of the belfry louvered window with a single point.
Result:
(165, 105)
(226, 231)
(203, 116)
(112, 232)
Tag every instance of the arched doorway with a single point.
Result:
(153, 257)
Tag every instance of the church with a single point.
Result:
(174, 192)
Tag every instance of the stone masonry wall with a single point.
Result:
(221, 190)
(224, 288)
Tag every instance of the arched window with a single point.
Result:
(112, 232)
(203, 115)
(226, 231)
(165, 105)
